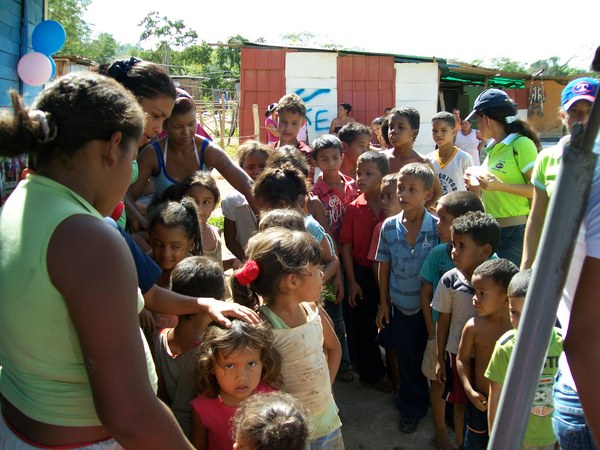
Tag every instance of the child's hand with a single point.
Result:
(147, 321)
(338, 288)
(383, 316)
(440, 372)
(479, 400)
(355, 291)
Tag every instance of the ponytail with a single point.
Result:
(506, 115)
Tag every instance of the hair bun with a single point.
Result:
(119, 69)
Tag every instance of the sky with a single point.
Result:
(522, 30)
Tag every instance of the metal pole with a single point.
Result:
(555, 251)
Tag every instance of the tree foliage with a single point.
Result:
(69, 13)
(551, 66)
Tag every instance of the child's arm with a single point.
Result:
(463, 366)
(338, 286)
(229, 232)
(385, 302)
(493, 400)
(331, 345)
(354, 289)
(441, 334)
(199, 434)
(332, 263)
(426, 296)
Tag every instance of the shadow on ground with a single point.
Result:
(370, 420)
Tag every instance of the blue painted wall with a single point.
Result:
(15, 40)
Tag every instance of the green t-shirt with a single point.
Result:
(539, 428)
(509, 161)
(547, 166)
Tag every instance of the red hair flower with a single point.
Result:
(248, 273)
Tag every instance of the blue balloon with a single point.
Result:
(48, 37)
(53, 66)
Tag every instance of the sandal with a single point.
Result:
(443, 445)
(383, 385)
(347, 376)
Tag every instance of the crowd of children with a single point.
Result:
(341, 248)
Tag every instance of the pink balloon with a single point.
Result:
(34, 68)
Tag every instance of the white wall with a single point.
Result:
(313, 76)
(417, 85)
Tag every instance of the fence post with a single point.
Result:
(256, 122)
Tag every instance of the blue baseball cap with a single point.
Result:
(491, 98)
(579, 89)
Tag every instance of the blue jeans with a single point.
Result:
(511, 243)
(337, 317)
(568, 420)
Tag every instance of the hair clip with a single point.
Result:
(510, 119)
(44, 125)
(118, 70)
(248, 273)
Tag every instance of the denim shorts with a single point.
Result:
(568, 421)
(331, 441)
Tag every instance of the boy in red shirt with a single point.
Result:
(360, 218)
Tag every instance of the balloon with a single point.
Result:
(48, 37)
(53, 67)
(34, 68)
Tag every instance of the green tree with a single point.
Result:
(553, 67)
(102, 49)
(69, 13)
(170, 34)
(508, 65)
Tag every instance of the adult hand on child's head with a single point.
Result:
(219, 311)
(354, 291)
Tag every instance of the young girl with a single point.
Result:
(274, 421)
(233, 363)
(174, 235)
(240, 221)
(202, 188)
(287, 188)
(283, 268)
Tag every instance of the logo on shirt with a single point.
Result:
(499, 165)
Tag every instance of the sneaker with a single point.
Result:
(408, 425)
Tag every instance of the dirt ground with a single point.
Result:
(370, 420)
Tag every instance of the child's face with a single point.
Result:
(400, 132)
(443, 133)
(368, 177)
(444, 221)
(205, 201)
(412, 194)
(357, 147)
(467, 254)
(389, 199)
(329, 160)
(254, 163)
(169, 245)
(489, 296)
(238, 373)
(182, 127)
(515, 305)
(311, 283)
(289, 126)
(376, 129)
